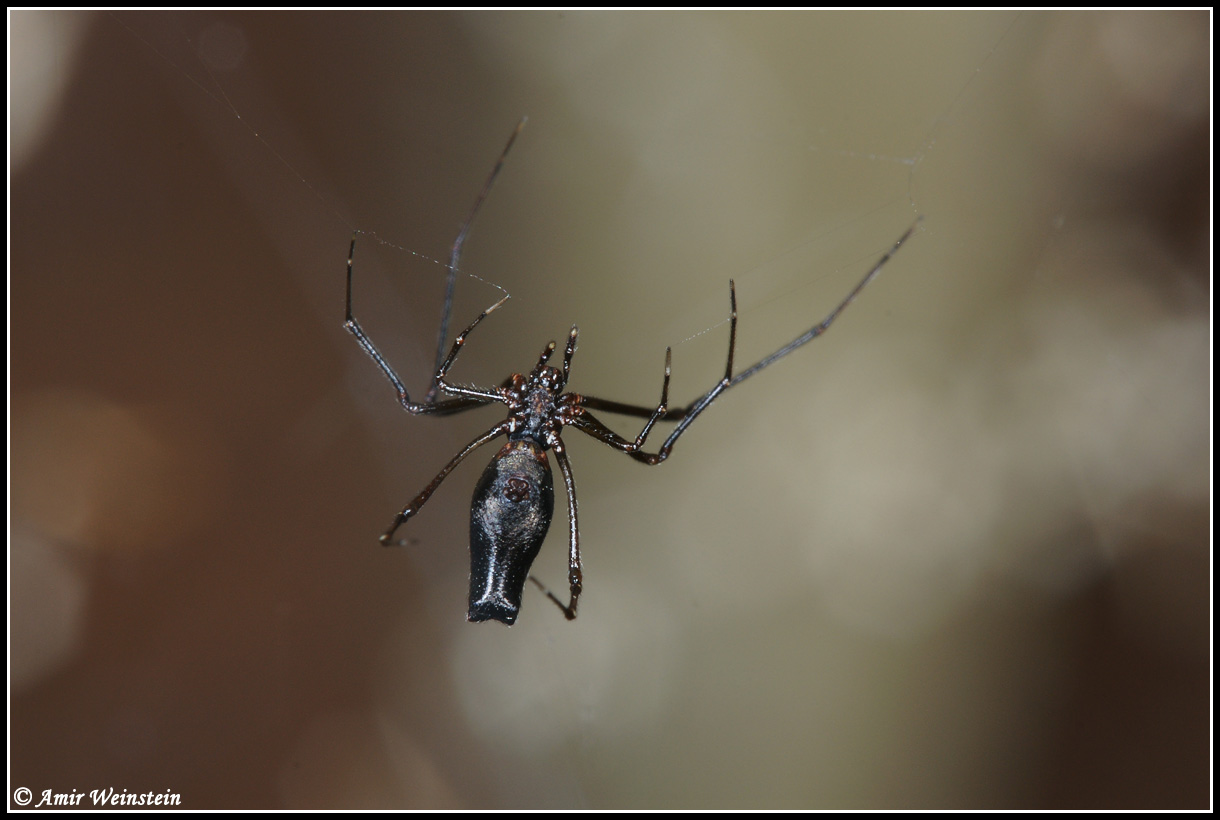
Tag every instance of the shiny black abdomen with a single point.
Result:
(509, 516)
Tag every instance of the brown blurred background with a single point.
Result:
(953, 554)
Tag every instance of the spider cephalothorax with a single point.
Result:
(537, 406)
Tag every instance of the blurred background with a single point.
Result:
(954, 554)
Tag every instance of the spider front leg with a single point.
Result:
(478, 394)
(575, 571)
(455, 256)
(428, 406)
(416, 503)
(469, 397)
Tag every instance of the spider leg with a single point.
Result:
(588, 423)
(547, 353)
(820, 328)
(418, 408)
(619, 408)
(455, 254)
(702, 403)
(416, 503)
(567, 357)
(575, 572)
(478, 394)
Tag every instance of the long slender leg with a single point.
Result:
(588, 423)
(575, 573)
(710, 396)
(416, 503)
(820, 328)
(455, 254)
(622, 409)
(470, 393)
(437, 408)
(729, 380)
(595, 428)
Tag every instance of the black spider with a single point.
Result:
(514, 500)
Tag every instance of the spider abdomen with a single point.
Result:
(509, 517)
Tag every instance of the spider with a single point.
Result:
(514, 500)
